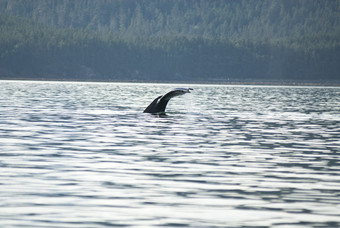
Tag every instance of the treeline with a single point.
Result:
(81, 41)
(232, 19)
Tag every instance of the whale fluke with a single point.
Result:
(159, 104)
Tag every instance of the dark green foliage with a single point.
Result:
(193, 40)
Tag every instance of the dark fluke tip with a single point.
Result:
(186, 90)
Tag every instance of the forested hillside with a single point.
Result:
(170, 40)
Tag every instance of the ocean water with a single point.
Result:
(85, 155)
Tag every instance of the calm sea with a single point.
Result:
(85, 155)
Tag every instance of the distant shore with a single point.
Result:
(211, 82)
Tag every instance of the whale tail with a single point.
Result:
(159, 104)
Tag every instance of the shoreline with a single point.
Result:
(198, 82)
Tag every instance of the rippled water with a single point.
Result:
(84, 155)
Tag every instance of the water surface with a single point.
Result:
(84, 155)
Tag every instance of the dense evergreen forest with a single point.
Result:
(170, 40)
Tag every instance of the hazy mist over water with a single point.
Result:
(85, 155)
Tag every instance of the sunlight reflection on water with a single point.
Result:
(84, 154)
